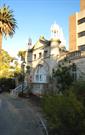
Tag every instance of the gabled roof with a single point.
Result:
(40, 43)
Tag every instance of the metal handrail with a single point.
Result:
(18, 89)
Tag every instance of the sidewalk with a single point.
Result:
(35, 104)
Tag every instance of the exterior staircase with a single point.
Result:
(22, 87)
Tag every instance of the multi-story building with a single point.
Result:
(43, 57)
(77, 29)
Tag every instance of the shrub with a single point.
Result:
(78, 88)
(7, 84)
(65, 114)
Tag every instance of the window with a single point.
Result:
(37, 77)
(82, 47)
(45, 53)
(40, 54)
(81, 20)
(81, 34)
(34, 56)
(40, 77)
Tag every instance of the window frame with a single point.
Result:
(40, 55)
(45, 53)
(34, 56)
(82, 20)
(81, 34)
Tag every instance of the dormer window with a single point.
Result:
(40, 54)
(34, 56)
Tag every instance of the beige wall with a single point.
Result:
(82, 5)
(74, 29)
(81, 14)
(81, 41)
(81, 27)
(72, 32)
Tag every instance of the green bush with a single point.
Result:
(78, 88)
(65, 115)
(7, 83)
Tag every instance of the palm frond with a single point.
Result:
(7, 21)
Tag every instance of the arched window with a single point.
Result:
(40, 75)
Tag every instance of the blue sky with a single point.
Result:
(35, 17)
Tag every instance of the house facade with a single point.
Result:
(43, 57)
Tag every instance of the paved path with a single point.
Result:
(17, 118)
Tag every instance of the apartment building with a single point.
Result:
(77, 29)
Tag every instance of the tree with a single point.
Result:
(9, 66)
(61, 79)
(7, 23)
(22, 54)
(5, 64)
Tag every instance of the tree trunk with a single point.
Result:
(0, 42)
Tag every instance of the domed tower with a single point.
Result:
(55, 31)
(57, 39)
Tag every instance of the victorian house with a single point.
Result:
(42, 57)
